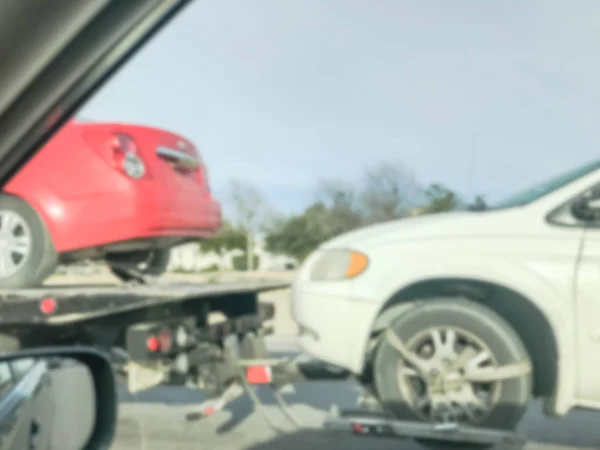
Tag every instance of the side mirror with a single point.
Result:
(587, 206)
(61, 398)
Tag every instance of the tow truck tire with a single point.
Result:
(479, 321)
(148, 262)
(40, 257)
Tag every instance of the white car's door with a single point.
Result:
(587, 291)
(587, 309)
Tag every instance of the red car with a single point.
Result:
(125, 193)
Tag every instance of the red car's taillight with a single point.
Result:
(127, 157)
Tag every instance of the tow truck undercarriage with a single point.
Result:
(207, 336)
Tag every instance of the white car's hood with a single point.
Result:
(450, 225)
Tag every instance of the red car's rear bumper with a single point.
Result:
(135, 211)
(143, 211)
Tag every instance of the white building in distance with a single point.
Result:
(190, 258)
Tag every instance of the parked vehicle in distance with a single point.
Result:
(465, 316)
(123, 193)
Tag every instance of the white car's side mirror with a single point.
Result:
(587, 207)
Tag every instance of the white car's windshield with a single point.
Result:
(540, 190)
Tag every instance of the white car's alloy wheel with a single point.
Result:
(443, 395)
(452, 360)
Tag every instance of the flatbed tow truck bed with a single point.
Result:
(76, 303)
(57, 315)
(163, 333)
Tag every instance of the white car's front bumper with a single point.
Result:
(334, 326)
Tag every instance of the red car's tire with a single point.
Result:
(148, 262)
(23, 232)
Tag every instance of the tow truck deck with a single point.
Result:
(166, 333)
(56, 315)
(76, 303)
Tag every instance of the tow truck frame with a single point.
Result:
(223, 357)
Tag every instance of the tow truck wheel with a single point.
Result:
(27, 254)
(448, 367)
(147, 262)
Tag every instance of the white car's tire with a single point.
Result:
(472, 325)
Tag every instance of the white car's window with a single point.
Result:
(545, 188)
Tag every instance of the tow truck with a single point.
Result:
(206, 336)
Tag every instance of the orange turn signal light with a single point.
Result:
(357, 264)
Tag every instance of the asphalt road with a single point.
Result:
(155, 420)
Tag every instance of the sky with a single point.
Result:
(486, 97)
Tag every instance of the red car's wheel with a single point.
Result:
(27, 255)
(147, 262)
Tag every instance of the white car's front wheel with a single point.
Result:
(453, 360)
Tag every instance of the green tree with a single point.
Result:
(441, 199)
(387, 191)
(229, 238)
(479, 204)
(299, 235)
(240, 262)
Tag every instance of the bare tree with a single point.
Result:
(251, 212)
(343, 203)
(389, 188)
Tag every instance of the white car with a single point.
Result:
(486, 309)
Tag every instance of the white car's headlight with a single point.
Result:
(338, 264)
